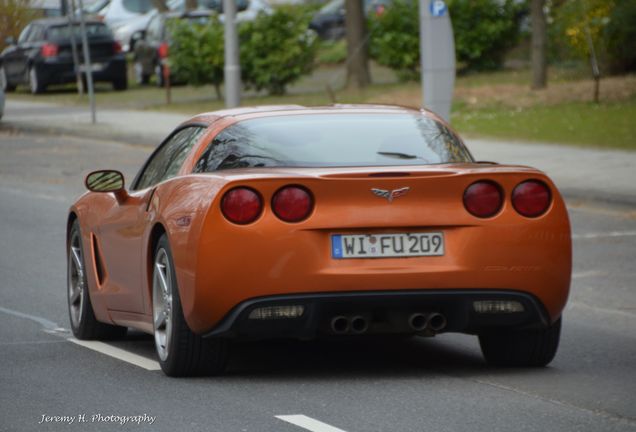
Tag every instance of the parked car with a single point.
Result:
(152, 45)
(125, 17)
(246, 10)
(340, 221)
(42, 55)
(329, 21)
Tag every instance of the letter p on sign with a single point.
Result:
(437, 8)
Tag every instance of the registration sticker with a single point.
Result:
(394, 245)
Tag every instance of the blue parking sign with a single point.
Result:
(438, 8)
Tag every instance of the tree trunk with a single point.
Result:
(357, 49)
(539, 38)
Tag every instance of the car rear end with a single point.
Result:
(417, 238)
(55, 63)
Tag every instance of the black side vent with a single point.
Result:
(97, 256)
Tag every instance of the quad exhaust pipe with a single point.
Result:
(434, 321)
(356, 324)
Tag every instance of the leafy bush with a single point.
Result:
(395, 39)
(276, 49)
(484, 31)
(197, 53)
(620, 37)
(332, 52)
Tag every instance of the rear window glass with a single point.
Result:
(138, 6)
(325, 140)
(92, 30)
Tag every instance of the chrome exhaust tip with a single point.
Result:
(359, 324)
(418, 321)
(436, 321)
(339, 324)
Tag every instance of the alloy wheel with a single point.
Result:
(162, 303)
(76, 280)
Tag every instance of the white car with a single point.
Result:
(126, 17)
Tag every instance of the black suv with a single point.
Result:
(43, 55)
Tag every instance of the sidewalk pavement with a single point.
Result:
(580, 174)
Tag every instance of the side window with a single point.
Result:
(36, 34)
(24, 35)
(154, 28)
(167, 160)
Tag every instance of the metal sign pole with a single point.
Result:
(437, 56)
(76, 63)
(232, 67)
(87, 63)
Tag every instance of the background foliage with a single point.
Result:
(14, 16)
(484, 31)
(277, 49)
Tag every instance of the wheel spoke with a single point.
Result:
(76, 293)
(75, 254)
(162, 278)
(160, 320)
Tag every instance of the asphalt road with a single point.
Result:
(439, 384)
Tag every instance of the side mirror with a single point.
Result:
(9, 41)
(107, 181)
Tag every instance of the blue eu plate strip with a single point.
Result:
(336, 246)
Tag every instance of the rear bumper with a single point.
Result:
(386, 312)
(62, 72)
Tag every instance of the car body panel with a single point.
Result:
(220, 265)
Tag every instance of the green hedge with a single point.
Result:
(484, 31)
(275, 50)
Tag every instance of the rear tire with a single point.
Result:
(534, 348)
(83, 322)
(181, 352)
(161, 82)
(4, 81)
(35, 83)
(141, 78)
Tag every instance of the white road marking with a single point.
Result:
(119, 354)
(48, 325)
(308, 423)
(589, 273)
(604, 234)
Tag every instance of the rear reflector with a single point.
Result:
(292, 203)
(116, 47)
(483, 198)
(531, 198)
(497, 306)
(163, 50)
(49, 50)
(241, 205)
(277, 312)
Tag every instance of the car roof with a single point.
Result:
(243, 113)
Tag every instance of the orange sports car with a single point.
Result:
(342, 221)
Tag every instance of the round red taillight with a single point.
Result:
(531, 198)
(292, 203)
(483, 198)
(241, 205)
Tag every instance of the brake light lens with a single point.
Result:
(49, 50)
(483, 198)
(116, 47)
(292, 203)
(163, 50)
(241, 205)
(531, 198)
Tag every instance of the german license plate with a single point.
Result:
(387, 245)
